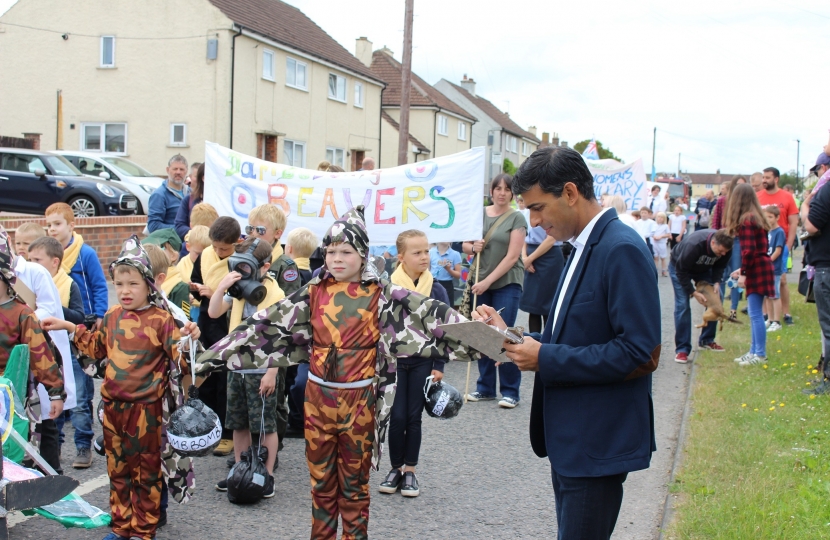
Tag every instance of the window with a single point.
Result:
(442, 124)
(358, 94)
(525, 149)
(97, 137)
(335, 156)
(178, 134)
(337, 87)
(107, 52)
(462, 131)
(268, 65)
(510, 143)
(294, 153)
(295, 74)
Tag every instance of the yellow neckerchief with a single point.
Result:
(276, 252)
(64, 284)
(400, 277)
(303, 263)
(72, 252)
(172, 279)
(273, 295)
(213, 268)
(185, 267)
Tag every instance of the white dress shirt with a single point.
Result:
(579, 246)
(38, 279)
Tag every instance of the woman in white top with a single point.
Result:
(677, 226)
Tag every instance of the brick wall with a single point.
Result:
(104, 234)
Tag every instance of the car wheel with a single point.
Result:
(83, 207)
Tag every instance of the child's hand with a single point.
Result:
(56, 410)
(191, 329)
(437, 375)
(229, 280)
(204, 290)
(268, 383)
(742, 282)
(53, 323)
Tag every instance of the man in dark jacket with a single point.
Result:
(701, 256)
(815, 213)
(705, 207)
(166, 199)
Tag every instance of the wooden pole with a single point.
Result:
(406, 84)
(59, 125)
(475, 301)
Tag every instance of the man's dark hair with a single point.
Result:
(551, 168)
(722, 238)
(225, 229)
(774, 171)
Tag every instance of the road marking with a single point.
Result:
(15, 518)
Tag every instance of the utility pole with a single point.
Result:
(406, 83)
(797, 160)
(653, 154)
(678, 164)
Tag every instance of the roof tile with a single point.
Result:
(496, 114)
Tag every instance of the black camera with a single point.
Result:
(89, 320)
(250, 287)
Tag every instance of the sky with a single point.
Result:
(728, 85)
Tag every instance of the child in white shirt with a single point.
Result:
(659, 241)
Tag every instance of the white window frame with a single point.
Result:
(340, 83)
(101, 63)
(336, 156)
(443, 123)
(294, 144)
(525, 148)
(266, 53)
(173, 141)
(358, 94)
(462, 131)
(103, 127)
(510, 144)
(297, 65)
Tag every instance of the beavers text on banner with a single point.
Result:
(442, 197)
(614, 178)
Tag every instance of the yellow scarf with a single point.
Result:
(172, 279)
(213, 268)
(72, 252)
(273, 295)
(400, 277)
(64, 284)
(185, 267)
(276, 252)
(303, 263)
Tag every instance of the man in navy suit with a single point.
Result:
(592, 413)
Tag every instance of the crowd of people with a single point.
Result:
(306, 328)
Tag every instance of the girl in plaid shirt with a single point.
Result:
(745, 219)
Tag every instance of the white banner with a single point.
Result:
(614, 178)
(444, 197)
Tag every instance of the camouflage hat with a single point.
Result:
(132, 254)
(6, 258)
(351, 229)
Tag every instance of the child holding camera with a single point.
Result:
(252, 396)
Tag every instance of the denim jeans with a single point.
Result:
(81, 415)
(683, 315)
(755, 303)
(297, 393)
(733, 264)
(587, 508)
(821, 289)
(510, 377)
(407, 410)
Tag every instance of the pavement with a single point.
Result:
(477, 474)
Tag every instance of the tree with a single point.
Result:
(603, 152)
(508, 167)
(788, 178)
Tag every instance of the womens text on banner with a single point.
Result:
(614, 178)
(442, 197)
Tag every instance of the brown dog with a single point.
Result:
(714, 308)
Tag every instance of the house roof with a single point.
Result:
(422, 95)
(501, 118)
(397, 126)
(714, 179)
(289, 26)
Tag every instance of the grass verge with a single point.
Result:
(757, 458)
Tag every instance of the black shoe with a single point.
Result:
(820, 390)
(162, 519)
(222, 485)
(294, 433)
(269, 487)
(410, 485)
(231, 461)
(788, 319)
(745, 311)
(392, 482)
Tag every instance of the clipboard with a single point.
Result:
(486, 339)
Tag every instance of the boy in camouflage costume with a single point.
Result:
(139, 349)
(351, 334)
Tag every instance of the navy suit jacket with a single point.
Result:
(592, 411)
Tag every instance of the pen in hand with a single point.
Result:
(490, 318)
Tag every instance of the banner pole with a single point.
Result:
(475, 301)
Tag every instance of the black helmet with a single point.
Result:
(98, 445)
(441, 400)
(100, 411)
(194, 429)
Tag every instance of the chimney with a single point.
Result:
(363, 51)
(468, 84)
(555, 140)
(387, 51)
(564, 144)
(545, 139)
(532, 130)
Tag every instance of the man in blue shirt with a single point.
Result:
(166, 199)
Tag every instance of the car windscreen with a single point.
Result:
(127, 167)
(60, 166)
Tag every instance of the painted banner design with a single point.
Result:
(614, 178)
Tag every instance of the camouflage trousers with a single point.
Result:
(339, 432)
(132, 439)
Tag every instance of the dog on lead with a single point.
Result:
(714, 308)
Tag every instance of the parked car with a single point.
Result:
(136, 179)
(31, 180)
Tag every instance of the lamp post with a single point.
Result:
(797, 161)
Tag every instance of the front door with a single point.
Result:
(357, 159)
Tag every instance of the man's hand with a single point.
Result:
(700, 298)
(717, 288)
(525, 355)
(53, 323)
(56, 409)
(268, 383)
(742, 282)
(485, 312)
(437, 375)
(191, 329)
